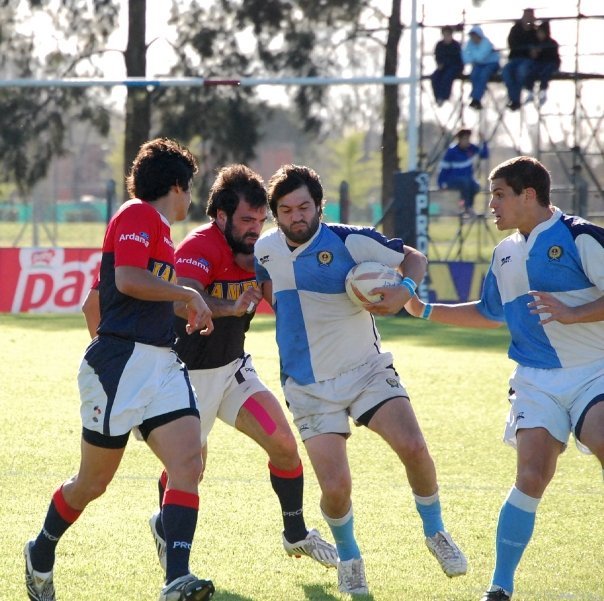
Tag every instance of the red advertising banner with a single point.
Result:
(56, 280)
(46, 280)
(51, 280)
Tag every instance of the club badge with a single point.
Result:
(324, 257)
(555, 252)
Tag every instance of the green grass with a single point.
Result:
(478, 238)
(67, 235)
(458, 383)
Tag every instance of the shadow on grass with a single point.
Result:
(315, 592)
(45, 322)
(312, 592)
(228, 596)
(411, 331)
(418, 332)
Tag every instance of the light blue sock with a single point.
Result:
(514, 531)
(342, 530)
(429, 510)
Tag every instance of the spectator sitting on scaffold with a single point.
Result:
(456, 170)
(449, 65)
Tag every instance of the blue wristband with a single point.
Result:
(410, 285)
(427, 311)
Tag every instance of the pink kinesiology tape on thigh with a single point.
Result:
(261, 414)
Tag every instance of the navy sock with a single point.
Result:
(59, 518)
(289, 488)
(179, 518)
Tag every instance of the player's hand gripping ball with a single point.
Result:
(365, 277)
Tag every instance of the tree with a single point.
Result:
(137, 125)
(349, 159)
(298, 38)
(390, 158)
(220, 123)
(271, 36)
(34, 121)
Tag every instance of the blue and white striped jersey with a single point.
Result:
(563, 256)
(320, 332)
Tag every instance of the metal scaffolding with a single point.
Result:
(565, 133)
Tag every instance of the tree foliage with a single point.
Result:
(352, 160)
(231, 39)
(214, 39)
(34, 121)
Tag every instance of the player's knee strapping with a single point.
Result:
(261, 415)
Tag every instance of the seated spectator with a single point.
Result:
(480, 53)
(456, 170)
(449, 66)
(545, 61)
(521, 40)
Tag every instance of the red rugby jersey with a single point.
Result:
(137, 236)
(205, 255)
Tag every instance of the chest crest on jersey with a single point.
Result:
(325, 257)
(555, 252)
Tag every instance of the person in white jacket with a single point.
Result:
(480, 53)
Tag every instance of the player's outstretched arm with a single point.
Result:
(462, 314)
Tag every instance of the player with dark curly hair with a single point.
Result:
(130, 376)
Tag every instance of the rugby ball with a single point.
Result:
(366, 276)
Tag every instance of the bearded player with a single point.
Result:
(217, 260)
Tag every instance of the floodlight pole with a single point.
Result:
(412, 133)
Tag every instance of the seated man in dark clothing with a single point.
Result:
(521, 39)
(449, 66)
(545, 61)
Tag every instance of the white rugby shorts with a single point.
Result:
(123, 383)
(324, 407)
(222, 391)
(554, 399)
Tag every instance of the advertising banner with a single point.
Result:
(411, 204)
(46, 280)
(57, 280)
(51, 280)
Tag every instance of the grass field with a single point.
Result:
(478, 238)
(458, 382)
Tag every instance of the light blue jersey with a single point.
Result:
(563, 256)
(320, 332)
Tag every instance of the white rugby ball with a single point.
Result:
(365, 277)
